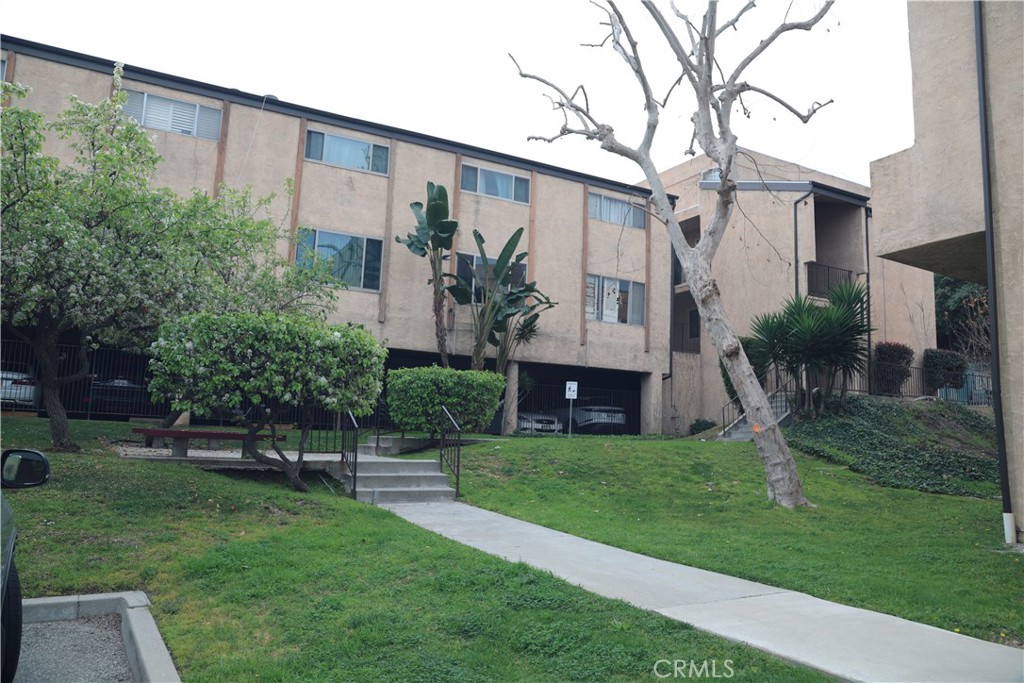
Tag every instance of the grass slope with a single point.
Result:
(936, 559)
(251, 581)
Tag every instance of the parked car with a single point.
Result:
(593, 418)
(18, 387)
(538, 423)
(20, 469)
(120, 396)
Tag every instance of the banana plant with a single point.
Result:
(433, 239)
(503, 306)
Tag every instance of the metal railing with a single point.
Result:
(451, 447)
(822, 278)
(773, 382)
(350, 447)
(972, 387)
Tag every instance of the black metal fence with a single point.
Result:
(971, 387)
(595, 411)
(116, 385)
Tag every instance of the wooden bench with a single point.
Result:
(180, 438)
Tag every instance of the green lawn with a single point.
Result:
(937, 559)
(252, 581)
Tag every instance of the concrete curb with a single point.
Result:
(148, 657)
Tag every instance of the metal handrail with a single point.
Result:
(732, 412)
(451, 447)
(350, 449)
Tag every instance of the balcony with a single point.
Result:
(822, 278)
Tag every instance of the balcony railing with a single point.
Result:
(822, 278)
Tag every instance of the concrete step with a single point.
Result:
(392, 445)
(401, 481)
(382, 480)
(405, 495)
(372, 465)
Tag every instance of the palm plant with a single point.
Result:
(850, 353)
(814, 344)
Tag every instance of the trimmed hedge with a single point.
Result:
(944, 369)
(892, 367)
(416, 395)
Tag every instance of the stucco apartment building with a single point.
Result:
(589, 239)
(966, 170)
(794, 231)
(625, 321)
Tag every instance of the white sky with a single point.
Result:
(442, 68)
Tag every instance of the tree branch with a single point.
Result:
(732, 22)
(766, 43)
(746, 87)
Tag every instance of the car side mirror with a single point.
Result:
(22, 468)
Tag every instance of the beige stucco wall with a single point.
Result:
(51, 87)
(1004, 26)
(932, 213)
(757, 264)
(945, 234)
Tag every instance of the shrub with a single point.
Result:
(944, 369)
(416, 395)
(891, 367)
(701, 425)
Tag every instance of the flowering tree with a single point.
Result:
(255, 368)
(91, 250)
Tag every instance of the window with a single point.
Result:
(469, 268)
(163, 113)
(618, 211)
(495, 183)
(3, 69)
(615, 301)
(346, 152)
(354, 260)
(693, 323)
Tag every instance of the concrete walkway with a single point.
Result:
(846, 642)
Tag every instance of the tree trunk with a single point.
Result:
(784, 486)
(46, 352)
(440, 322)
(290, 469)
(510, 408)
(171, 418)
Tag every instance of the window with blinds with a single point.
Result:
(164, 113)
(612, 300)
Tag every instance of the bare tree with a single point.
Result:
(716, 96)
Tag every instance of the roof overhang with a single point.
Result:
(801, 186)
